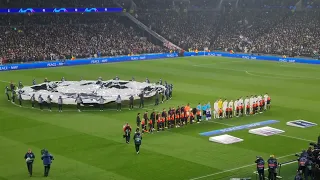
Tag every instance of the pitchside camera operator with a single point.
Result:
(272, 167)
(260, 167)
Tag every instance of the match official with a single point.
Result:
(137, 140)
(29, 157)
(47, 160)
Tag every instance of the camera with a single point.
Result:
(316, 146)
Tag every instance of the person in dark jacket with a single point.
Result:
(137, 140)
(47, 160)
(131, 99)
(29, 157)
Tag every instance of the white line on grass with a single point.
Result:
(217, 62)
(292, 137)
(283, 76)
(270, 75)
(238, 168)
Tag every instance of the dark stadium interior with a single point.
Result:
(281, 27)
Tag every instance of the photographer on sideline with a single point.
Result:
(272, 167)
(127, 131)
(47, 160)
(260, 167)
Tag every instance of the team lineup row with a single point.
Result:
(180, 116)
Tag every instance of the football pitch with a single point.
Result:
(89, 145)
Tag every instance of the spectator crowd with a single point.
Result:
(38, 37)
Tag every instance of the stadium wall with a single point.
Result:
(104, 60)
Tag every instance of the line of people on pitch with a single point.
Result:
(173, 118)
(243, 106)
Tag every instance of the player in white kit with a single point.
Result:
(224, 108)
(230, 105)
(251, 104)
(235, 106)
(246, 104)
(215, 110)
(265, 101)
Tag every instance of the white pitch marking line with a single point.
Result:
(271, 75)
(217, 62)
(238, 168)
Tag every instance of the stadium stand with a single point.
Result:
(241, 27)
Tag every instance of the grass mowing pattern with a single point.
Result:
(89, 145)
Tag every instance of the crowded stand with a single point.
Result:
(268, 31)
(52, 36)
(262, 30)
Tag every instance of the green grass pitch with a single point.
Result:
(89, 145)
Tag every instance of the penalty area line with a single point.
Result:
(238, 168)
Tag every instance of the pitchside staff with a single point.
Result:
(137, 140)
(47, 161)
(29, 158)
(6, 91)
(79, 102)
(40, 101)
(60, 102)
(272, 168)
(260, 168)
(101, 103)
(119, 102)
(49, 102)
(33, 100)
(131, 99)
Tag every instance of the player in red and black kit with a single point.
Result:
(169, 118)
(153, 118)
(127, 131)
(178, 120)
(145, 117)
(164, 117)
(158, 118)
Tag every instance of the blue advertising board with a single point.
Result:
(103, 60)
(86, 61)
(255, 57)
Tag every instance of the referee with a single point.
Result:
(29, 157)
